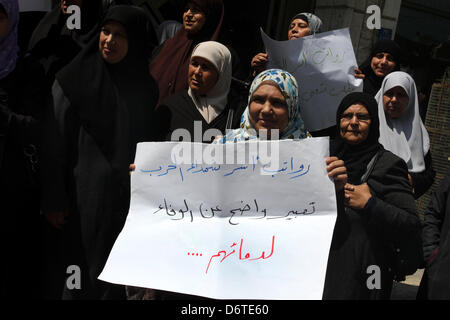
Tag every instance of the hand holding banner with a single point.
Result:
(323, 65)
(228, 231)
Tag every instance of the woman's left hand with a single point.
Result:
(359, 74)
(337, 171)
(356, 197)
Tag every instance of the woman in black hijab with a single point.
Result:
(384, 59)
(103, 105)
(377, 217)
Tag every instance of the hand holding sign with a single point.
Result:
(229, 231)
(324, 67)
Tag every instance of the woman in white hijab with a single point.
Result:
(208, 100)
(402, 131)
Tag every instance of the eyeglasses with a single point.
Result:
(364, 117)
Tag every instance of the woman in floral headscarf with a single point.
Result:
(284, 116)
(273, 111)
(287, 120)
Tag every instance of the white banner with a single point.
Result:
(323, 65)
(228, 231)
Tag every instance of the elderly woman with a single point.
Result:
(377, 233)
(207, 102)
(103, 105)
(301, 25)
(202, 21)
(272, 112)
(402, 131)
(384, 59)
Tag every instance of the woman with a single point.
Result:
(257, 122)
(103, 105)
(379, 219)
(207, 102)
(202, 21)
(384, 59)
(22, 101)
(402, 131)
(301, 25)
(273, 112)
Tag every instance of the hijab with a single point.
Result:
(212, 104)
(372, 82)
(313, 21)
(405, 136)
(357, 157)
(99, 92)
(9, 49)
(288, 86)
(170, 66)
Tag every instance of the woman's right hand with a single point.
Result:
(132, 168)
(259, 63)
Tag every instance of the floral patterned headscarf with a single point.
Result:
(289, 88)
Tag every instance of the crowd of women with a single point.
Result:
(76, 103)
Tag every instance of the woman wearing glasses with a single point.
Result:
(377, 219)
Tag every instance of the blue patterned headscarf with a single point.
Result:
(9, 49)
(289, 88)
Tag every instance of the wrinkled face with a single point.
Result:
(395, 102)
(355, 124)
(202, 75)
(382, 64)
(193, 18)
(298, 29)
(67, 3)
(3, 24)
(113, 43)
(268, 109)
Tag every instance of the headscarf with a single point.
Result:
(372, 82)
(289, 88)
(212, 104)
(170, 66)
(357, 157)
(98, 91)
(312, 20)
(405, 136)
(9, 49)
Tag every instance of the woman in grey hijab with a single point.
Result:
(301, 25)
